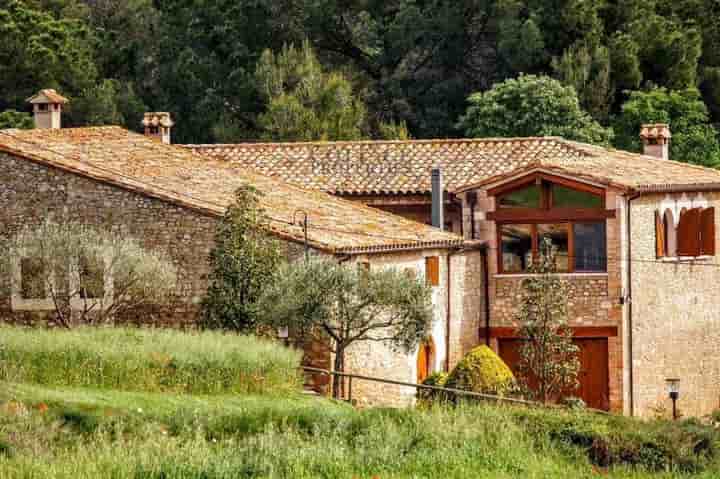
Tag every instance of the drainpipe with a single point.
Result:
(631, 383)
(486, 292)
(447, 314)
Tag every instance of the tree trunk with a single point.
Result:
(339, 366)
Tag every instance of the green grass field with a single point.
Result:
(147, 360)
(50, 430)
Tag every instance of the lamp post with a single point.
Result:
(283, 334)
(673, 389)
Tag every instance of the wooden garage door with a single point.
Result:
(593, 378)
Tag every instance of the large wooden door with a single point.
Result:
(593, 378)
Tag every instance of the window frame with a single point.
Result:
(535, 241)
(547, 213)
(694, 234)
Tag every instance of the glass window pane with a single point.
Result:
(516, 247)
(590, 247)
(92, 282)
(558, 236)
(528, 197)
(32, 278)
(563, 197)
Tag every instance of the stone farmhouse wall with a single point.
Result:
(382, 360)
(593, 299)
(675, 320)
(30, 193)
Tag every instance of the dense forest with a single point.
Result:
(239, 70)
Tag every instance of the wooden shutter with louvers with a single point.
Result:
(688, 234)
(432, 270)
(659, 236)
(707, 231)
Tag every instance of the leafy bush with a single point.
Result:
(428, 395)
(660, 445)
(481, 371)
(147, 360)
(573, 402)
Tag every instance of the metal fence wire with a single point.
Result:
(347, 391)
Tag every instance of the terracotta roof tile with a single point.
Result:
(402, 167)
(176, 174)
(47, 96)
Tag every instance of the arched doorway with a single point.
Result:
(425, 359)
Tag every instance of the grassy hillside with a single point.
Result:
(82, 433)
(147, 360)
(82, 427)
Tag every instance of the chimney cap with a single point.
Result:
(157, 118)
(48, 95)
(655, 131)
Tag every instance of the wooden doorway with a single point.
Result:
(593, 379)
(425, 360)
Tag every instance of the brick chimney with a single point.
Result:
(47, 108)
(656, 140)
(157, 125)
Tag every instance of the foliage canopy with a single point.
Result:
(243, 259)
(344, 305)
(530, 106)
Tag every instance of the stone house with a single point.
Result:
(171, 199)
(635, 235)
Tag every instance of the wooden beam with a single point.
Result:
(533, 177)
(554, 215)
(578, 332)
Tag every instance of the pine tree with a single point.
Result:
(243, 259)
(548, 355)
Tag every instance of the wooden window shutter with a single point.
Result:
(707, 231)
(432, 270)
(659, 236)
(688, 234)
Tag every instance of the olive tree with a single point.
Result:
(90, 275)
(347, 305)
(548, 356)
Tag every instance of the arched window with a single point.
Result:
(670, 234)
(694, 235)
(425, 359)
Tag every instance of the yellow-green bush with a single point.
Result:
(482, 371)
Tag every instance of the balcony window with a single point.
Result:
(540, 207)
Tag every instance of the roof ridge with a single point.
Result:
(526, 139)
(612, 150)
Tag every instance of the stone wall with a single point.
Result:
(30, 193)
(675, 320)
(383, 361)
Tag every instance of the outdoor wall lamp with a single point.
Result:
(283, 333)
(673, 389)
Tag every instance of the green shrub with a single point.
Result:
(147, 360)
(427, 396)
(482, 371)
(686, 446)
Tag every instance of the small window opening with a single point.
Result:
(32, 274)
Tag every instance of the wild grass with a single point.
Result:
(147, 360)
(73, 433)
